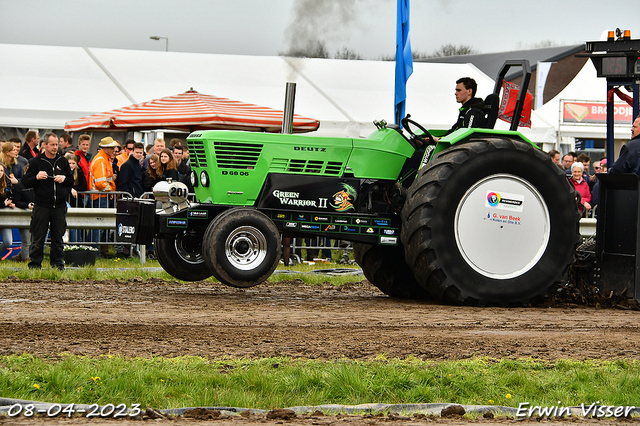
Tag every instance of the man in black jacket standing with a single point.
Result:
(51, 178)
(130, 177)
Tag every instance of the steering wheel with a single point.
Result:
(425, 138)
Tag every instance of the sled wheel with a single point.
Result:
(386, 268)
(241, 247)
(182, 256)
(490, 222)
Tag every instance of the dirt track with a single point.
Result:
(161, 318)
(156, 317)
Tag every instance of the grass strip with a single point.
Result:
(123, 269)
(283, 382)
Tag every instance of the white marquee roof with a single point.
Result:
(45, 86)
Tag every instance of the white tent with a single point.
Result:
(585, 87)
(43, 86)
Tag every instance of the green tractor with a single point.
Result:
(482, 217)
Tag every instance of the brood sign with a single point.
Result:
(595, 113)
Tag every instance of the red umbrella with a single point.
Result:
(191, 111)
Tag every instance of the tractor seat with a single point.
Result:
(491, 104)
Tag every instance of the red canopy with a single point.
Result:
(191, 111)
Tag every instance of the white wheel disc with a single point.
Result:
(502, 226)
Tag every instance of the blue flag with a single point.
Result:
(404, 59)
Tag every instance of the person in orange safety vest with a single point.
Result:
(103, 180)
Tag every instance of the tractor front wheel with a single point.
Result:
(242, 247)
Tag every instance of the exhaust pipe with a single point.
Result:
(289, 103)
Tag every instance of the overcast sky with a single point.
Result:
(270, 27)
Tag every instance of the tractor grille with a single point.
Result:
(231, 155)
(196, 153)
(331, 168)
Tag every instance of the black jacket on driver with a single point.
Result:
(471, 115)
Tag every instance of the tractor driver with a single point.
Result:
(471, 113)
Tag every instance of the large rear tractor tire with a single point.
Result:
(182, 257)
(242, 247)
(490, 222)
(385, 267)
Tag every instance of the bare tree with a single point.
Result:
(313, 49)
(453, 50)
(347, 53)
(419, 55)
(538, 45)
(444, 50)
(414, 55)
(386, 57)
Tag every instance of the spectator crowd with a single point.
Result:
(576, 167)
(47, 176)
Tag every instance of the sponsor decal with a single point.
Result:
(302, 218)
(504, 201)
(427, 155)
(291, 225)
(321, 219)
(309, 227)
(349, 229)
(342, 200)
(124, 229)
(367, 230)
(197, 214)
(341, 220)
(381, 222)
(182, 223)
(281, 216)
(389, 232)
(388, 240)
(493, 199)
(329, 228)
(510, 219)
(360, 221)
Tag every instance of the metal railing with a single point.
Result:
(77, 218)
(98, 226)
(83, 223)
(85, 199)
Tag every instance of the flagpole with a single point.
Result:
(404, 60)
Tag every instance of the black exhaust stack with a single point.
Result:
(289, 103)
